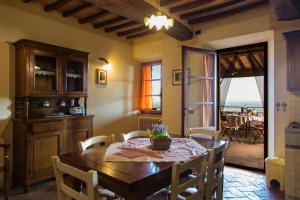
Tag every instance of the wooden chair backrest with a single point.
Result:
(216, 161)
(207, 131)
(197, 171)
(106, 139)
(134, 134)
(90, 179)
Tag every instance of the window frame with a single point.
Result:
(152, 63)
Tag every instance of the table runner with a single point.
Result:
(138, 150)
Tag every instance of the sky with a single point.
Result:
(243, 89)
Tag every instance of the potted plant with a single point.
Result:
(160, 138)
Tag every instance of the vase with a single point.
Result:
(161, 143)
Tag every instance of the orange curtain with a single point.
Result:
(146, 98)
(208, 61)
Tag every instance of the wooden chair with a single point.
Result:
(5, 168)
(192, 187)
(205, 133)
(90, 179)
(97, 140)
(229, 129)
(258, 126)
(134, 134)
(216, 161)
(188, 181)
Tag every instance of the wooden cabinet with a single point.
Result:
(77, 130)
(36, 141)
(48, 70)
(50, 82)
(293, 60)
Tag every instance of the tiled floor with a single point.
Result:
(246, 185)
(239, 185)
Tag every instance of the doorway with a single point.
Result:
(243, 103)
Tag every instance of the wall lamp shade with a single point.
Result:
(107, 65)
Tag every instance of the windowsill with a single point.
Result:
(151, 113)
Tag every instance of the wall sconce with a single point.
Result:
(107, 65)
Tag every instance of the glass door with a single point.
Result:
(75, 75)
(45, 73)
(198, 89)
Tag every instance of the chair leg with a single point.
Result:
(6, 175)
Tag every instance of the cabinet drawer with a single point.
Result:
(47, 126)
(79, 123)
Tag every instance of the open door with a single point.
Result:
(198, 89)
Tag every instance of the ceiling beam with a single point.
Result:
(240, 62)
(109, 22)
(191, 5)
(76, 10)
(93, 17)
(138, 35)
(196, 13)
(227, 13)
(56, 5)
(136, 10)
(120, 26)
(286, 10)
(164, 3)
(132, 31)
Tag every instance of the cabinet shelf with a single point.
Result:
(70, 75)
(45, 73)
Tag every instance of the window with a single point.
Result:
(151, 93)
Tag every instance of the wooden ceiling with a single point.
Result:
(246, 62)
(125, 17)
(199, 11)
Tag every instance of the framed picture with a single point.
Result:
(101, 77)
(177, 76)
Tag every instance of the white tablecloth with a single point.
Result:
(138, 150)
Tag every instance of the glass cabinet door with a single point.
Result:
(45, 73)
(74, 75)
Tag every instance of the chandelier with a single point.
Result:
(158, 21)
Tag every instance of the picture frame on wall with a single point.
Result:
(101, 77)
(177, 77)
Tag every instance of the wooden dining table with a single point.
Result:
(131, 180)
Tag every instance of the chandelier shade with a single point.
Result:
(158, 21)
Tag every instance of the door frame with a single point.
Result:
(184, 49)
(266, 91)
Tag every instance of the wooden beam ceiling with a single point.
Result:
(191, 5)
(136, 10)
(109, 22)
(164, 3)
(229, 12)
(142, 34)
(94, 17)
(132, 31)
(76, 10)
(56, 5)
(196, 13)
(120, 26)
(286, 9)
